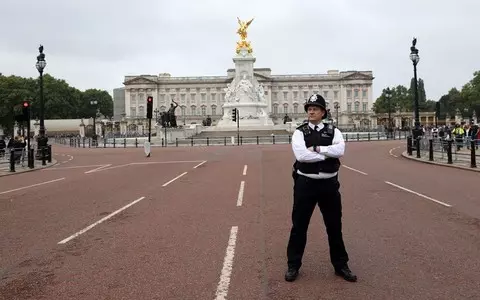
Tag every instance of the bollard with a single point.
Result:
(124, 143)
(369, 136)
(114, 143)
(224, 140)
(358, 137)
(176, 142)
(409, 145)
(346, 137)
(104, 142)
(136, 143)
(449, 152)
(378, 135)
(289, 139)
(418, 147)
(257, 139)
(430, 150)
(191, 142)
(89, 143)
(49, 153)
(12, 160)
(473, 158)
(208, 141)
(273, 139)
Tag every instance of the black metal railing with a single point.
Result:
(462, 152)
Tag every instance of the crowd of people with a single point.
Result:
(18, 143)
(462, 134)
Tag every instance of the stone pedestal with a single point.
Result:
(246, 94)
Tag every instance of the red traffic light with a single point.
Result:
(25, 104)
(150, 99)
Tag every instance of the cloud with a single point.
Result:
(94, 44)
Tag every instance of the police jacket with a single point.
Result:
(329, 145)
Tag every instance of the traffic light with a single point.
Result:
(149, 107)
(26, 111)
(234, 115)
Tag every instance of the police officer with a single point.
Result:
(317, 148)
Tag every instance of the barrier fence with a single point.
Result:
(215, 141)
(448, 151)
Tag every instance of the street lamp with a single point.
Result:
(94, 104)
(337, 107)
(388, 95)
(42, 140)
(415, 58)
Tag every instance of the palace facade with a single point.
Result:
(349, 95)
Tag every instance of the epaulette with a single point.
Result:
(304, 128)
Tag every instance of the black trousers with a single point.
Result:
(307, 194)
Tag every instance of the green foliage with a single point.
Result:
(61, 100)
(465, 101)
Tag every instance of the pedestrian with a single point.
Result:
(317, 148)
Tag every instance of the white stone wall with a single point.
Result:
(351, 89)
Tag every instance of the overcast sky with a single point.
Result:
(95, 43)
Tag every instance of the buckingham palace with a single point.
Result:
(348, 95)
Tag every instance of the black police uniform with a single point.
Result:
(324, 192)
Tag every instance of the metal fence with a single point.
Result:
(216, 141)
(450, 151)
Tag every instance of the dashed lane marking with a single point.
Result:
(167, 183)
(200, 164)
(355, 170)
(33, 185)
(223, 284)
(418, 194)
(72, 167)
(245, 170)
(96, 169)
(240, 193)
(99, 221)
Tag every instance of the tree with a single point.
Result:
(61, 100)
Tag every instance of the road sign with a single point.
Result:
(146, 147)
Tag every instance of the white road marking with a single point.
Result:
(200, 164)
(72, 167)
(33, 185)
(96, 169)
(245, 170)
(167, 183)
(391, 153)
(99, 221)
(240, 193)
(165, 162)
(355, 170)
(222, 287)
(418, 194)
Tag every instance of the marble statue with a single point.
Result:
(260, 93)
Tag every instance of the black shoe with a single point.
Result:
(291, 274)
(346, 273)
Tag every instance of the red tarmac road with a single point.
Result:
(213, 223)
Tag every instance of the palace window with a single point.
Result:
(213, 97)
(182, 110)
(193, 110)
(349, 94)
(192, 98)
(275, 108)
(162, 98)
(285, 108)
(364, 106)
(141, 111)
(285, 96)
(141, 98)
(325, 94)
(357, 106)
(214, 110)
(305, 94)
(204, 110)
(203, 97)
(133, 100)
(355, 94)
(162, 108)
(335, 95)
(133, 112)
(364, 94)
(295, 108)
(349, 107)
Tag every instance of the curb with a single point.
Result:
(405, 155)
(54, 162)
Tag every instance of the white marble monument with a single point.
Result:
(244, 93)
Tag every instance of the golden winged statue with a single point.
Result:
(242, 31)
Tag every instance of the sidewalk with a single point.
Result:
(5, 167)
(459, 161)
